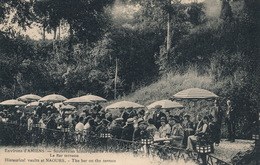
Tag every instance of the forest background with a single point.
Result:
(142, 50)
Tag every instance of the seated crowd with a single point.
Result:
(131, 125)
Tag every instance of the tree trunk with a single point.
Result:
(70, 48)
(169, 35)
(59, 32)
(116, 78)
(43, 33)
(54, 33)
(14, 89)
(54, 40)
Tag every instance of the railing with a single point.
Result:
(15, 134)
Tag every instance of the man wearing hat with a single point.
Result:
(140, 132)
(230, 120)
(103, 127)
(116, 128)
(188, 128)
(97, 107)
(109, 116)
(51, 108)
(177, 132)
(40, 109)
(217, 114)
(126, 113)
(51, 125)
(128, 130)
(157, 116)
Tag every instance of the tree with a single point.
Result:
(86, 19)
(226, 11)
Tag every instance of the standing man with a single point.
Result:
(39, 109)
(51, 108)
(157, 116)
(125, 114)
(217, 114)
(230, 120)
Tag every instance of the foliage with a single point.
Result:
(79, 15)
(223, 47)
(20, 10)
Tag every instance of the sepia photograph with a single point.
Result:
(129, 82)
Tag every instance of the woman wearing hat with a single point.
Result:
(192, 140)
(165, 129)
(188, 128)
(151, 129)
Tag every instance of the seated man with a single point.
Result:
(128, 130)
(177, 132)
(140, 132)
(116, 128)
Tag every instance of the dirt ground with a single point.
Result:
(227, 150)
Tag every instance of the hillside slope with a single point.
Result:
(169, 85)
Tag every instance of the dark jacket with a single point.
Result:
(156, 119)
(51, 124)
(217, 113)
(140, 134)
(102, 129)
(230, 114)
(125, 116)
(127, 132)
(116, 131)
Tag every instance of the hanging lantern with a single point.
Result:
(13, 122)
(65, 130)
(105, 135)
(255, 137)
(146, 141)
(36, 125)
(204, 149)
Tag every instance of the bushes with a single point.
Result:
(240, 87)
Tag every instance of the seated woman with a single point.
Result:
(89, 132)
(151, 129)
(187, 125)
(201, 131)
(165, 129)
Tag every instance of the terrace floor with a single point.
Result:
(227, 150)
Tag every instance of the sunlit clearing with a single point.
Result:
(124, 11)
